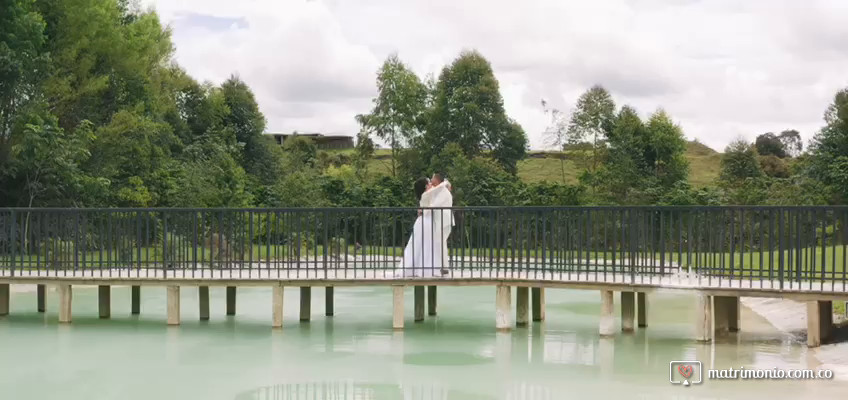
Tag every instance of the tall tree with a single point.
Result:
(792, 143)
(399, 107)
(739, 162)
(555, 134)
(468, 110)
(591, 122)
(666, 156)
(22, 61)
(828, 161)
(770, 144)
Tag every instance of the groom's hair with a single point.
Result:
(440, 176)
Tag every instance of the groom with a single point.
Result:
(444, 199)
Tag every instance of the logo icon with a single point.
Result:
(684, 372)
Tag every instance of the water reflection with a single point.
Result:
(348, 390)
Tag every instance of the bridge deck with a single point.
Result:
(458, 277)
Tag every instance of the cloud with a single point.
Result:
(721, 68)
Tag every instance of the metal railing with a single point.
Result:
(798, 248)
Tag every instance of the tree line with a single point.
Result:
(95, 112)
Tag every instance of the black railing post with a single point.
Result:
(13, 240)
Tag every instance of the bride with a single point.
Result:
(423, 253)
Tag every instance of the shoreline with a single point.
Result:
(790, 317)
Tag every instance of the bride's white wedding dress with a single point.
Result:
(422, 256)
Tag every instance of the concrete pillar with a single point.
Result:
(203, 302)
(66, 297)
(628, 311)
(305, 303)
(231, 300)
(135, 296)
(4, 299)
(173, 305)
(328, 301)
(41, 294)
(522, 303)
(397, 307)
(419, 303)
(703, 318)
(277, 306)
(726, 313)
(104, 301)
(503, 313)
(642, 309)
(538, 304)
(431, 300)
(819, 322)
(607, 324)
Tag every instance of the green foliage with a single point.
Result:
(739, 163)
(22, 60)
(592, 122)
(829, 149)
(468, 110)
(399, 108)
(769, 144)
(46, 161)
(774, 166)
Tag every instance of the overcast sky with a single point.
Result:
(721, 68)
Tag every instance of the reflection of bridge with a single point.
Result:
(721, 253)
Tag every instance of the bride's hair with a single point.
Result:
(421, 187)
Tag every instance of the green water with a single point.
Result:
(356, 355)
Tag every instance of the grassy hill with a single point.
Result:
(704, 164)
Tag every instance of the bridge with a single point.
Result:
(719, 253)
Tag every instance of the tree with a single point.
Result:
(399, 107)
(739, 162)
(627, 166)
(770, 144)
(363, 153)
(22, 60)
(591, 122)
(468, 110)
(791, 141)
(666, 153)
(555, 134)
(828, 160)
(47, 160)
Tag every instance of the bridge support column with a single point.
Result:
(4, 299)
(203, 302)
(522, 300)
(104, 301)
(231, 300)
(397, 307)
(328, 301)
(628, 311)
(135, 300)
(642, 309)
(305, 303)
(419, 303)
(277, 306)
(704, 318)
(41, 297)
(173, 305)
(503, 313)
(607, 324)
(819, 322)
(431, 300)
(538, 304)
(66, 297)
(726, 310)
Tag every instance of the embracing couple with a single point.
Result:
(426, 252)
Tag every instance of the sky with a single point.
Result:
(723, 69)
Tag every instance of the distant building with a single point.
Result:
(324, 142)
